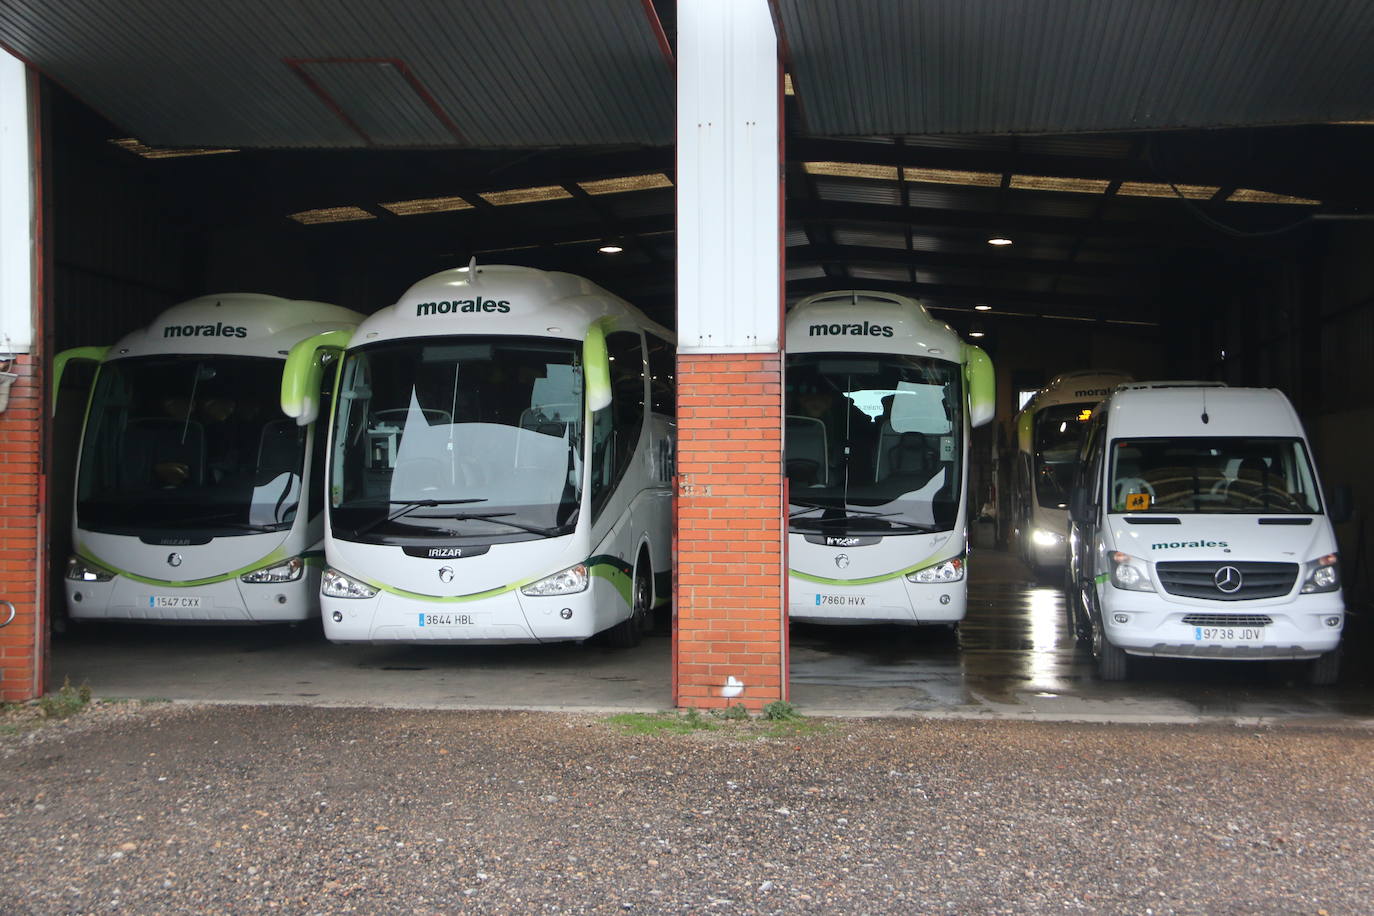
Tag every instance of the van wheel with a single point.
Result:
(1325, 669)
(628, 633)
(1113, 664)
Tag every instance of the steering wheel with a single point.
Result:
(1125, 485)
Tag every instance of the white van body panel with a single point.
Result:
(1195, 618)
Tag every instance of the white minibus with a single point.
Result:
(501, 458)
(1200, 530)
(197, 501)
(880, 398)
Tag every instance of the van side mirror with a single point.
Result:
(1340, 503)
(1079, 510)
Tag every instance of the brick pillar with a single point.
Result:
(22, 640)
(731, 575)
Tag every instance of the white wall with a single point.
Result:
(16, 209)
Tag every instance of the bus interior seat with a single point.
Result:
(163, 452)
(912, 458)
(808, 461)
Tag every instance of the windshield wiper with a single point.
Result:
(410, 505)
(858, 515)
(500, 519)
(222, 521)
(807, 506)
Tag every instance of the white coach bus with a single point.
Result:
(880, 401)
(1049, 430)
(500, 464)
(197, 501)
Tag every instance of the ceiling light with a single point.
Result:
(787, 87)
(129, 144)
(610, 249)
(427, 205)
(627, 183)
(330, 215)
(852, 170)
(954, 176)
(525, 195)
(1247, 196)
(999, 241)
(983, 307)
(1053, 183)
(1161, 189)
(976, 331)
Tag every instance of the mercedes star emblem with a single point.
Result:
(445, 573)
(1227, 579)
(173, 559)
(842, 561)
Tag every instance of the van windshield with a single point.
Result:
(1058, 433)
(189, 444)
(874, 443)
(458, 437)
(1232, 474)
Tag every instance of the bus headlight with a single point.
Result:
(1042, 538)
(79, 570)
(569, 581)
(334, 584)
(289, 571)
(951, 570)
(1130, 573)
(1323, 574)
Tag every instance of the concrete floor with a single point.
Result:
(1011, 659)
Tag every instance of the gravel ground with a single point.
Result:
(223, 809)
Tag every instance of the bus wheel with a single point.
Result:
(627, 633)
(1325, 669)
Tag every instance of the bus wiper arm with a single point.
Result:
(410, 505)
(500, 519)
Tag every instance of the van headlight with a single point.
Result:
(334, 584)
(1130, 573)
(1042, 538)
(1322, 574)
(951, 570)
(567, 582)
(79, 570)
(289, 571)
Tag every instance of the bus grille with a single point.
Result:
(1198, 579)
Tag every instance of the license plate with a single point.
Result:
(841, 601)
(1228, 634)
(174, 601)
(446, 620)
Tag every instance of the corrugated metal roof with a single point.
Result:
(271, 73)
(1003, 66)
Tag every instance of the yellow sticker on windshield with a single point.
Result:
(1137, 501)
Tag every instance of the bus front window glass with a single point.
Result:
(875, 442)
(474, 426)
(1058, 433)
(189, 443)
(1223, 474)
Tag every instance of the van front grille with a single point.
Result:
(1199, 579)
(1228, 620)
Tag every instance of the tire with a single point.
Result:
(1113, 664)
(628, 633)
(1325, 669)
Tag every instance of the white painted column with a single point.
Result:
(16, 209)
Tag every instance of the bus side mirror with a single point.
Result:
(59, 365)
(1340, 503)
(1079, 510)
(304, 370)
(981, 383)
(596, 368)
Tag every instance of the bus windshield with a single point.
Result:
(874, 443)
(458, 437)
(1058, 433)
(1232, 474)
(189, 443)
